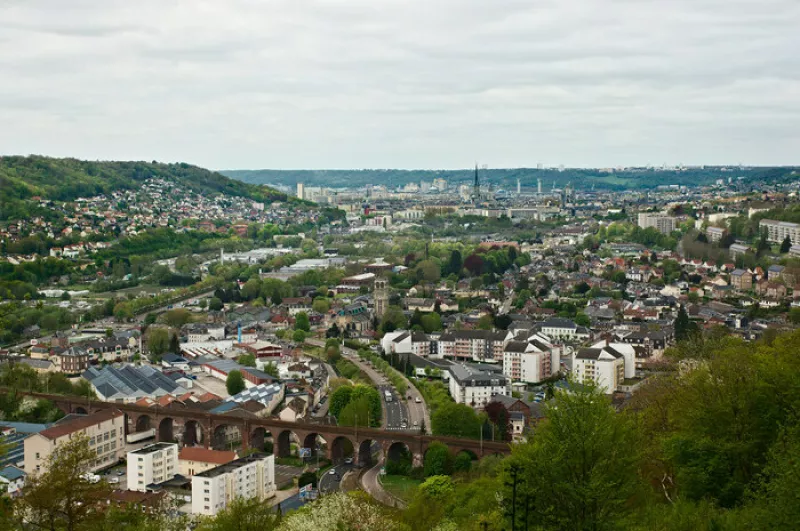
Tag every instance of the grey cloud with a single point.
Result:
(358, 83)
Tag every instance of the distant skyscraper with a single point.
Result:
(539, 185)
(476, 188)
(301, 191)
(519, 186)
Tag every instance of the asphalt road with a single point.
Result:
(329, 482)
(396, 411)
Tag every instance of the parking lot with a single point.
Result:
(208, 383)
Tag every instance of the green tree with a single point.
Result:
(393, 319)
(438, 460)
(301, 322)
(786, 245)
(462, 462)
(339, 399)
(177, 317)
(243, 515)
(321, 305)
(683, 327)
(248, 360)
(580, 470)
(428, 271)
(431, 322)
(455, 263)
(457, 420)
(215, 304)
(59, 497)
(234, 383)
(158, 341)
(272, 369)
(581, 319)
(355, 413)
(485, 322)
(299, 336)
(174, 344)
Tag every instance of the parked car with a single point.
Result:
(418, 400)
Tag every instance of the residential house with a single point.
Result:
(196, 459)
(105, 431)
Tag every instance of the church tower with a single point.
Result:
(381, 296)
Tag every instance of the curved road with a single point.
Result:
(412, 411)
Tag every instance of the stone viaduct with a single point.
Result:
(190, 427)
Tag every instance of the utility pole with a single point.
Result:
(514, 473)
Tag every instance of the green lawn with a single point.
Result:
(400, 486)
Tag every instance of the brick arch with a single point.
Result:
(223, 437)
(311, 440)
(166, 430)
(394, 450)
(80, 410)
(341, 448)
(194, 433)
(141, 422)
(472, 453)
(283, 443)
(364, 453)
(259, 436)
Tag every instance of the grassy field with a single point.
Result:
(400, 486)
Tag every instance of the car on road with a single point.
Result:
(332, 472)
(404, 424)
(416, 424)
(120, 472)
(418, 400)
(348, 461)
(113, 480)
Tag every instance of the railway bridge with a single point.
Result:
(191, 427)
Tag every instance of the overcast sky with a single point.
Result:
(402, 84)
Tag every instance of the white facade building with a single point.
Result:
(605, 364)
(531, 361)
(660, 222)
(558, 328)
(777, 231)
(248, 477)
(155, 463)
(475, 386)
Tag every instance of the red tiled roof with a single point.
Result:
(60, 430)
(206, 455)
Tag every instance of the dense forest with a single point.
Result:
(580, 178)
(22, 178)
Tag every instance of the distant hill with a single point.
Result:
(22, 178)
(582, 179)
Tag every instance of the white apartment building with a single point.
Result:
(559, 328)
(660, 222)
(153, 464)
(105, 431)
(407, 342)
(248, 477)
(531, 361)
(475, 386)
(605, 364)
(777, 231)
(472, 345)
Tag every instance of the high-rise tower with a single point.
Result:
(476, 188)
(381, 296)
